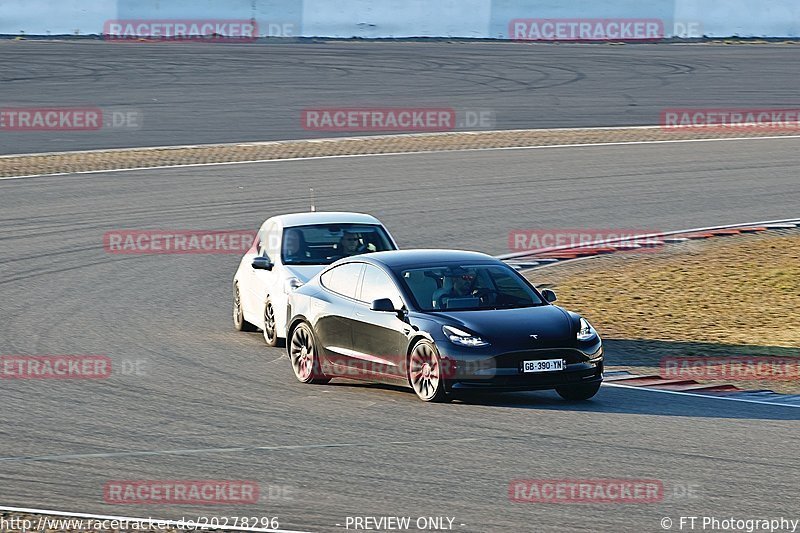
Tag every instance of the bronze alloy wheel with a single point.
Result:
(303, 355)
(425, 372)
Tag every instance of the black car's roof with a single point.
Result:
(423, 258)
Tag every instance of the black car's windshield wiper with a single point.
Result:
(515, 306)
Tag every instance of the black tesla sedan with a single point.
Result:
(440, 322)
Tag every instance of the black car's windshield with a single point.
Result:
(468, 288)
(322, 244)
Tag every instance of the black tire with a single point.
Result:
(303, 356)
(424, 372)
(578, 392)
(239, 323)
(270, 331)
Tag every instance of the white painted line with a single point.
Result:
(111, 455)
(289, 159)
(696, 395)
(624, 246)
(147, 521)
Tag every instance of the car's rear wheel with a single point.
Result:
(303, 356)
(238, 313)
(425, 372)
(270, 330)
(579, 391)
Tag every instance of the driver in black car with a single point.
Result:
(458, 283)
(462, 283)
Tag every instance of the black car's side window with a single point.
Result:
(343, 279)
(377, 284)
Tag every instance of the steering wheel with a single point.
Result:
(486, 295)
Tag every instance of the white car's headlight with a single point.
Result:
(586, 332)
(462, 338)
(291, 284)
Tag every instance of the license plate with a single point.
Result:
(545, 365)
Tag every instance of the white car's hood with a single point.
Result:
(304, 272)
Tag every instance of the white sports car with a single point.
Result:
(288, 251)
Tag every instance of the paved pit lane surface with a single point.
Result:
(191, 399)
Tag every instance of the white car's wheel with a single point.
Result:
(270, 329)
(238, 314)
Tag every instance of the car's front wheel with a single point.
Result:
(270, 329)
(303, 356)
(238, 313)
(579, 391)
(425, 372)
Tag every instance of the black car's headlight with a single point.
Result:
(463, 338)
(586, 332)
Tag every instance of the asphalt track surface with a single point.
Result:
(213, 403)
(192, 93)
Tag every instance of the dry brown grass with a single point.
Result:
(728, 296)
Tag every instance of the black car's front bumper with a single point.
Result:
(465, 370)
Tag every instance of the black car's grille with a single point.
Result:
(514, 359)
(579, 373)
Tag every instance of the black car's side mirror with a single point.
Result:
(383, 305)
(549, 295)
(262, 263)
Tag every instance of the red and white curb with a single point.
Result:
(544, 257)
(689, 387)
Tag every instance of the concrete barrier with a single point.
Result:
(742, 18)
(407, 18)
(396, 18)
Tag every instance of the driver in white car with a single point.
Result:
(350, 244)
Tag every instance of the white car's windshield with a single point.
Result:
(322, 244)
